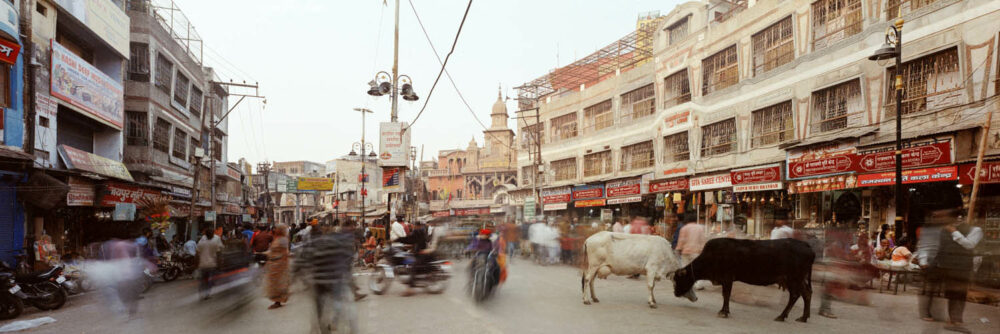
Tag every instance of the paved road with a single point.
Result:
(535, 299)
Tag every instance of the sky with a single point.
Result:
(314, 58)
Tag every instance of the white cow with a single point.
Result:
(628, 254)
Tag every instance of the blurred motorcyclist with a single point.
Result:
(422, 255)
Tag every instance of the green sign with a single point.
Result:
(210, 216)
(292, 185)
(529, 208)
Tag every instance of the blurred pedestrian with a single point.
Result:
(640, 225)
(690, 242)
(396, 231)
(261, 243)
(928, 245)
(278, 278)
(955, 260)
(617, 227)
(325, 262)
(208, 251)
(781, 229)
(627, 229)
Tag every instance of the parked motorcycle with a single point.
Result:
(76, 280)
(168, 270)
(435, 280)
(41, 289)
(10, 305)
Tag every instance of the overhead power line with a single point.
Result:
(443, 63)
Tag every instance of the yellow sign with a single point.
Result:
(315, 183)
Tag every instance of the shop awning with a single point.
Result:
(88, 162)
(883, 137)
(830, 136)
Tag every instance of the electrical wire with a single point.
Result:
(443, 64)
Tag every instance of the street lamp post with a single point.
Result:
(893, 49)
(363, 146)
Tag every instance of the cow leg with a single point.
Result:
(587, 280)
(727, 290)
(793, 295)
(592, 296)
(806, 298)
(651, 283)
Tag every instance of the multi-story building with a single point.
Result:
(173, 107)
(15, 146)
(294, 205)
(346, 171)
(476, 178)
(300, 168)
(749, 109)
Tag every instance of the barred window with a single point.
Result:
(564, 126)
(532, 133)
(832, 106)
(720, 70)
(138, 62)
(164, 73)
(718, 138)
(676, 148)
(639, 103)
(564, 169)
(597, 164)
(136, 128)
(897, 8)
(772, 125)
(598, 116)
(161, 135)
(678, 31)
(181, 89)
(834, 20)
(676, 89)
(637, 156)
(773, 47)
(930, 82)
(180, 144)
(528, 175)
(217, 147)
(195, 105)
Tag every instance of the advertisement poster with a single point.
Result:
(315, 183)
(84, 86)
(556, 195)
(392, 180)
(393, 144)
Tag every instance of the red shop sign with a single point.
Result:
(934, 174)
(114, 193)
(626, 187)
(556, 195)
(659, 186)
(822, 184)
(990, 173)
(918, 156)
(762, 174)
(823, 166)
(9, 51)
(472, 212)
(589, 203)
(441, 214)
(588, 191)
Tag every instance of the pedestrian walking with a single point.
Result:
(690, 241)
(208, 251)
(955, 262)
(617, 227)
(325, 262)
(781, 229)
(278, 277)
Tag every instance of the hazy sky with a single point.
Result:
(313, 59)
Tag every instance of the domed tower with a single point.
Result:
(499, 138)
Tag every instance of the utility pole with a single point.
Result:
(536, 141)
(395, 70)
(215, 125)
(195, 193)
(265, 167)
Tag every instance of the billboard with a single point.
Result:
(315, 183)
(392, 180)
(393, 144)
(84, 86)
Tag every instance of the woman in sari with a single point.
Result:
(278, 276)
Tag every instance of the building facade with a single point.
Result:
(743, 107)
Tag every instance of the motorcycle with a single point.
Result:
(401, 263)
(484, 276)
(10, 305)
(41, 289)
(167, 268)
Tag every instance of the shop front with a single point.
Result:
(759, 195)
(713, 200)
(588, 200)
(624, 198)
(987, 217)
(555, 201)
(672, 197)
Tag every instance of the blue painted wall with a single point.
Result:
(13, 122)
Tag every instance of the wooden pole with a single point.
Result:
(979, 165)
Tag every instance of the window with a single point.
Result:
(181, 89)
(43, 121)
(40, 8)
(929, 83)
(527, 175)
(676, 89)
(564, 169)
(597, 164)
(195, 105)
(772, 47)
(720, 70)
(136, 128)
(639, 103)
(164, 73)
(217, 149)
(677, 31)
(598, 116)
(138, 62)
(897, 8)
(530, 134)
(676, 148)
(564, 127)
(180, 144)
(718, 138)
(832, 106)
(637, 156)
(161, 135)
(194, 146)
(834, 20)
(772, 125)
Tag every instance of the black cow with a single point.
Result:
(787, 262)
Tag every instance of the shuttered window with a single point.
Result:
(720, 70)
(772, 125)
(718, 138)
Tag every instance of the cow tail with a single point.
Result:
(583, 272)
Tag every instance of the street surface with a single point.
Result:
(535, 299)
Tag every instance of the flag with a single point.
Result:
(363, 178)
(336, 203)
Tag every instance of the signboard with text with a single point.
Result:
(392, 180)
(394, 144)
(922, 175)
(589, 191)
(709, 182)
(884, 158)
(819, 160)
(760, 174)
(589, 203)
(625, 187)
(113, 193)
(88, 162)
(554, 206)
(990, 173)
(315, 183)
(81, 192)
(80, 84)
(822, 184)
(658, 186)
(556, 195)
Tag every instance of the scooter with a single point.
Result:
(434, 281)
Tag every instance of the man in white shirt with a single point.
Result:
(396, 231)
(781, 229)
